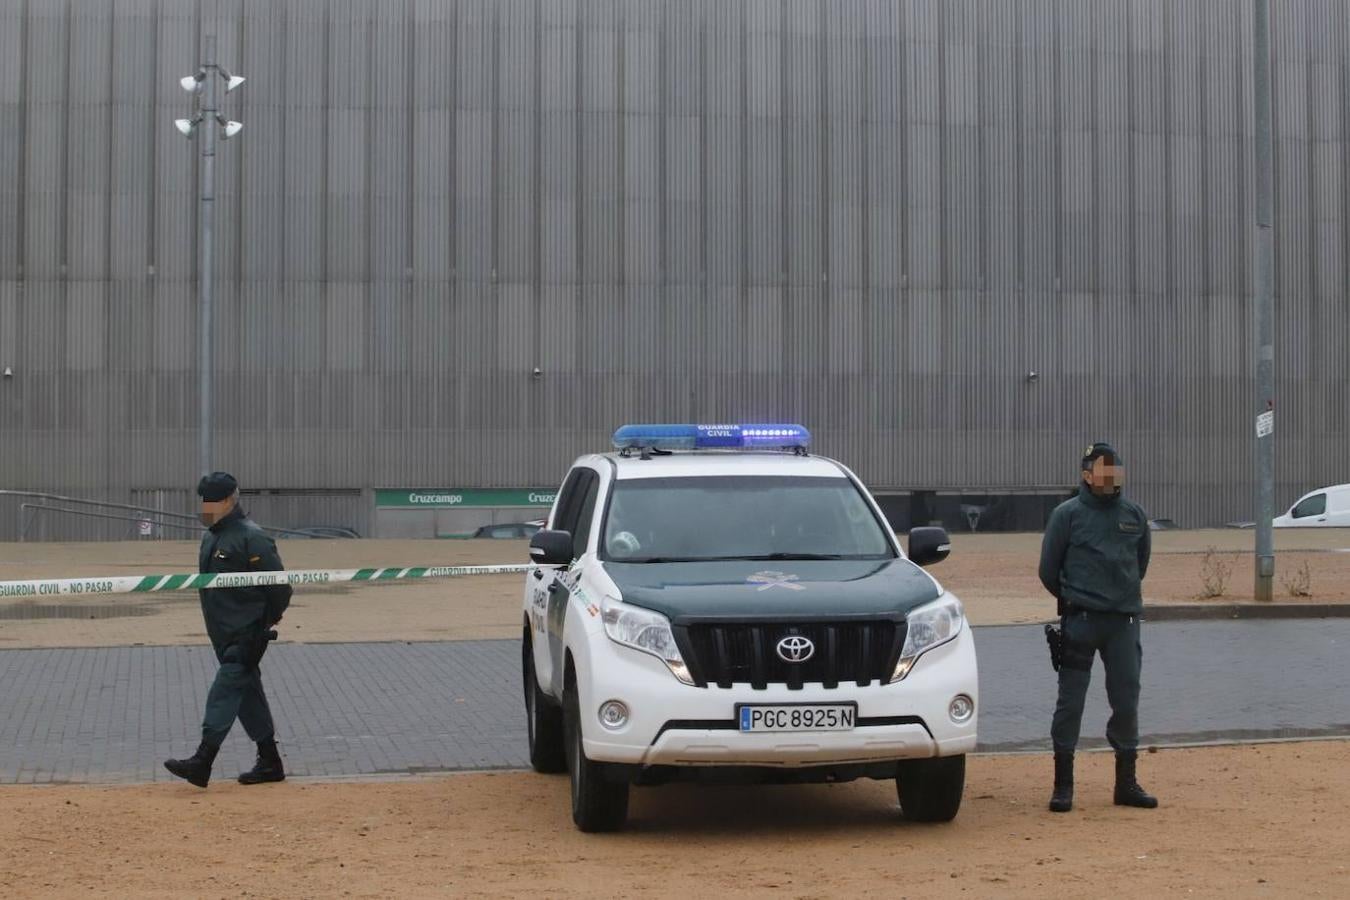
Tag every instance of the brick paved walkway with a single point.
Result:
(113, 714)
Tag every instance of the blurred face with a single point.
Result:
(1105, 478)
(215, 510)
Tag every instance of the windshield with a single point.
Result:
(741, 517)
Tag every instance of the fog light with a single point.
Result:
(613, 714)
(961, 709)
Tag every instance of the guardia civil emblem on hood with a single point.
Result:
(767, 580)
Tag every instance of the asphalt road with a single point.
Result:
(112, 714)
(1203, 681)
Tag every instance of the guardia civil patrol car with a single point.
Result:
(714, 602)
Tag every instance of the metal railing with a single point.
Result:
(28, 513)
(38, 508)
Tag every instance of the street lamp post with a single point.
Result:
(203, 85)
(1263, 313)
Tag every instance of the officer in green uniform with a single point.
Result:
(239, 622)
(1093, 559)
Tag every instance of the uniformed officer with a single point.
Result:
(1093, 559)
(239, 622)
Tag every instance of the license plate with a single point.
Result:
(798, 717)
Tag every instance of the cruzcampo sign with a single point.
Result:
(445, 498)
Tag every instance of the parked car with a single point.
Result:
(712, 602)
(509, 530)
(320, 531)
(1327, 507)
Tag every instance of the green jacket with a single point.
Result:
(236, 544)
(1095, 553)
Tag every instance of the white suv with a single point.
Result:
(713, 601)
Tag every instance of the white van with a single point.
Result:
(1327, 507)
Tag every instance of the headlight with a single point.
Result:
(644, 630)
(929, 626)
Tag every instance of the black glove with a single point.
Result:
(278, 601)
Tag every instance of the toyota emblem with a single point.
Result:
(795, 649)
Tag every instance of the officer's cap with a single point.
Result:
(1099, 450)
(217, 486)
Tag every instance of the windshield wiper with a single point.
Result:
(760, 557)
(665, 559)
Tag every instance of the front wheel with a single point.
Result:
(930, 789)
(543, 719)
(598, 804)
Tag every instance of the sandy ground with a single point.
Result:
(1257, 821)
(994, 574)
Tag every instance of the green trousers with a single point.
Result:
(1116, 638)
(237, 693)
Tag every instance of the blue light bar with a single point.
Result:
(712, 437)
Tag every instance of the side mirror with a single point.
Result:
(551, 548)
(928, 545)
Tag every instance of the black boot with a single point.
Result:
(1062, 799)
(196, 769)
(1128, 791)
(267, 768)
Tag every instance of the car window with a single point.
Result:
(565, 512)
(741, 517)
(1315, 505)
(582, 533)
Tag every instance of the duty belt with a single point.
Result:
(1071, 610)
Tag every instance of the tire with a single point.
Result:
(543, 720)
(598, 804)
(930, 789)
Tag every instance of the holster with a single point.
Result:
(252, 647)
(1065, 652)
(1054, 636)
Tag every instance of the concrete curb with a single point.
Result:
(1153, 744)
(1196, 612)
(1206, 612)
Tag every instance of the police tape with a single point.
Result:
(145, 584)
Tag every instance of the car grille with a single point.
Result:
(845, 652)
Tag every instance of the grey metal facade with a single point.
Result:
(871, 217)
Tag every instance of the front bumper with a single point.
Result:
(866, 743)
(675, 724)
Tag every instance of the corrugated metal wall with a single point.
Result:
(872, 217)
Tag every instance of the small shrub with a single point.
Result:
(1299, 582)
(1214, 575)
